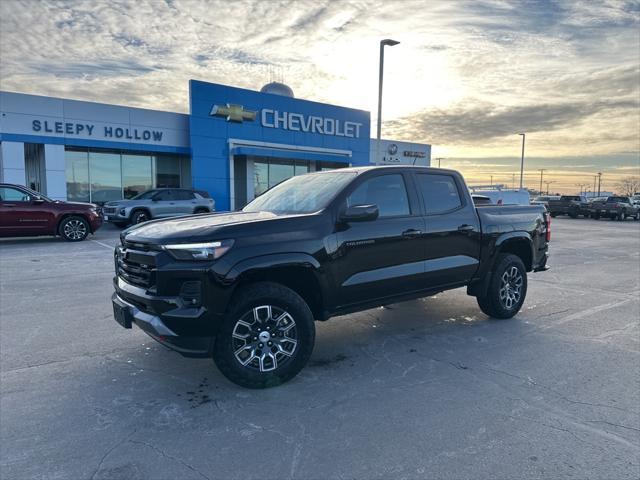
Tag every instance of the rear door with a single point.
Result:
(452, 240)
(19, 215)
(185, 201)
(383, 257)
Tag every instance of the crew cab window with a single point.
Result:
(617, 200)
(13, 195)
(388, 192)
(184, 195)
(440, 193)
(165, 196)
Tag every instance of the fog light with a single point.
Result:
(191, 293)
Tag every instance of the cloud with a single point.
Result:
(466, 76)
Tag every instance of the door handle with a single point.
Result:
(466, 228)
(411, 233)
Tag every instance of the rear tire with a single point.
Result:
(622, 216)
(74, 229)
(266, 338)
(507, 288)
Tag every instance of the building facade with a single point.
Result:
(234, 143)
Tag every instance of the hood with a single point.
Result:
(78, 205)
(193, 228)
(119, 203)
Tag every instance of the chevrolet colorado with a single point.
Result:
(245, 287)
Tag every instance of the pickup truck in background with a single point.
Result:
(615, 208)
(245, 287)
(572, 205)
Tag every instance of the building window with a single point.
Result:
(77, 176)
(270, 172)
(137, 174)
(100, 176)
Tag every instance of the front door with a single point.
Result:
(164, 204)
(452, 240)
(383, 257)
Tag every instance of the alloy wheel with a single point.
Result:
(265, 338)
(75, 230)
(511, 287)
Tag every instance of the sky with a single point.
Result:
(467, 77)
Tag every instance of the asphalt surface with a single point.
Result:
(424, 389)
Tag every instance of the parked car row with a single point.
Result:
(26, 213)
(615, 208)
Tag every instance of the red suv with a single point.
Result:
(24, 212)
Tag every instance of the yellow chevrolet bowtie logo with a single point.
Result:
(234, 113)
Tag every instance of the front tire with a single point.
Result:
(507, 288)
(266, 338)
(140, 216)
(74, 229)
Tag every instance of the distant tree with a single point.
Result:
(628, 186)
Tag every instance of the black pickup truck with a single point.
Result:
(245, 287)
(572, 205)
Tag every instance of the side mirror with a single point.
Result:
(37, 200)
(360, 213)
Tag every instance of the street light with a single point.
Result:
(439, 158)
(522, 161)
(386, 42)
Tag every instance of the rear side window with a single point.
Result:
(388, 192)
(184, 195)
(440, 193)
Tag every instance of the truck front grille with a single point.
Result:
(109, 210)
(136, 268)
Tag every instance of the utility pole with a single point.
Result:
(595, 177)
(491, 180)
(439, 158)
(599, 182)
(541, 171)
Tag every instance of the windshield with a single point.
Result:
(145, 195)
(303, 194)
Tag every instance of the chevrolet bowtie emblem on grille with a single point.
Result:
(234, 113)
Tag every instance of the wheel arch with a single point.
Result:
(138, 209)
(519, 244)
(298, 272)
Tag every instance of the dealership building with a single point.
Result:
(234, 143)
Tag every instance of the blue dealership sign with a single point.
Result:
(227, 121)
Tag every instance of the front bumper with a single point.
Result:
(126, 313)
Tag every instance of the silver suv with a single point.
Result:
(158, 203)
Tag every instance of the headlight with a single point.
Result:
(123, 212)
(199, 251)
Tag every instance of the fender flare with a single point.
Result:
(481, 286)
(270, 261)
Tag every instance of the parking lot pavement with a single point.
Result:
(424, 389)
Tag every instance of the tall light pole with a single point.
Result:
(541, 171)
(599, 182)
(547, 184)
(522, 162)
(439, 158)
(595, 177)
(383, 43)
